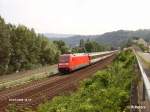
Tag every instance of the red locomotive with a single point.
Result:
(71, 62)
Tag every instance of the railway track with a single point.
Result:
(38, 91)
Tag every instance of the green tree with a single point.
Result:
(49, 51)
(5, 46)
(92, 46)
(62, 46)
(81, 43)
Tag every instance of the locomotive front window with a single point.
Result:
(64, 59)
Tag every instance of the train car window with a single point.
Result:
(97, 56)
(64, 59)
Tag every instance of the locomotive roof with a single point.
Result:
(75, 54)
(99, 53)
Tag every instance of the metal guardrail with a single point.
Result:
(144, 77)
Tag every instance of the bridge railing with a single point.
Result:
(146, 82)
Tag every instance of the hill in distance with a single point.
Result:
(114, 38)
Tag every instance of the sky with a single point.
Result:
(77, 16)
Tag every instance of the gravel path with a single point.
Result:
(23, 77)
(19, 75)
